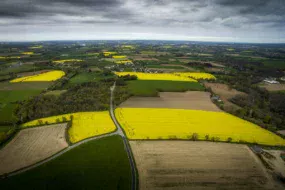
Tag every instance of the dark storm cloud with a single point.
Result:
(258, 7)
(23, 8)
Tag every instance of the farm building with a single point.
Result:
(271, 81)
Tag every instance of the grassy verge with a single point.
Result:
(98, 164)
(152, 87)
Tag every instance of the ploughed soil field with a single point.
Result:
(273, 87)
(198, 165)
(194, 100)
(225, 93)
(30, 146)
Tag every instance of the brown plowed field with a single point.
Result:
(194, 100)
(184, 165)
(30, 146)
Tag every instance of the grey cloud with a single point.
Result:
(184, 14)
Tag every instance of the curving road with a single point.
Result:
(126, 143)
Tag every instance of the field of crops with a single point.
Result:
(154, 123)
(119, 56)
(48, 76)
(28, 53)
(152, 87)
(84, 124)
(198, 76)
(108, 53)
(67, 61)
(124, 62)
(98, 164)
(157, 76)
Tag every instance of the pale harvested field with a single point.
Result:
(194, 100)
(273, 87)
(31, 146)
(225, 93)
(184, 165)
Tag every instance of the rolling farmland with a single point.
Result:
(157, 114)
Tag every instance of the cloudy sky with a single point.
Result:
(194, 20)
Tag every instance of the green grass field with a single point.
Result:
(5, 128)
(99, 164)
(7, 96)
(152, 87)
(24, 85)
(55, 92)
(19, 69)
(7, 113)
(279, 64)
(85, 77)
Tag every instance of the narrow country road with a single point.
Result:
(126, 143)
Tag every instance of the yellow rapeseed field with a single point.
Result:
(28, 53)
(36, 47)
(198, 76)
(124, 62)
(157, 123)
(108, 53)
(156, 76)
(48, 76)
(67, 60)
(119, 56)
(84, 124)
(128, 46)
(10, 57)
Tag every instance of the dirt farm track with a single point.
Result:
(182, 165)
(30, 146)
